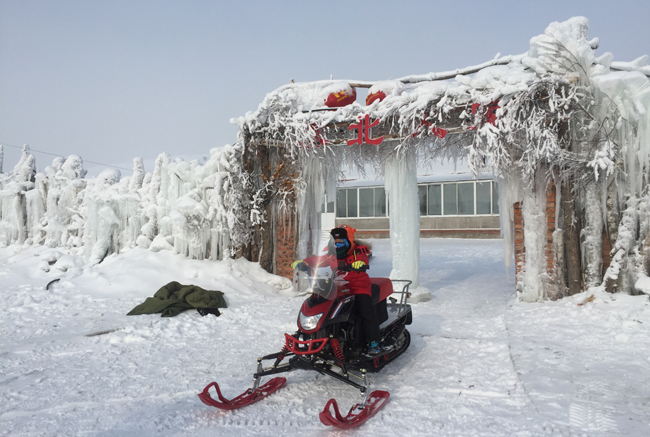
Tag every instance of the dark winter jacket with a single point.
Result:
(175, 298)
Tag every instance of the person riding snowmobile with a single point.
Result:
(345, 254)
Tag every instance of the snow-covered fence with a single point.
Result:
(182, 206)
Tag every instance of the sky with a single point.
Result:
(114, 80)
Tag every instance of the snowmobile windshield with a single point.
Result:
(320, 282)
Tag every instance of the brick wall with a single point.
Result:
(285, 246)
(607, 250)
(520, 250)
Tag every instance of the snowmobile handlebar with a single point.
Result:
(349, 268)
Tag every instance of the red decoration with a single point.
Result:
(379, 95)
(341, 98)
(490, 115)
(362, 128)
(318, 137)
(436, 131)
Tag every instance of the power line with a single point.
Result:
(61, 156)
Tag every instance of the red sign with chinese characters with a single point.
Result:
(363, 136)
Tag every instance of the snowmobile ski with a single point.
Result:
(250, 396)
(330, 340)
(358, 414)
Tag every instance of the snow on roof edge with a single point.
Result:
(424, 179)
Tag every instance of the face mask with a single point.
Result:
(342, 249)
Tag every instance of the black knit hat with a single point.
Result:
(344, 231)
(339, 233)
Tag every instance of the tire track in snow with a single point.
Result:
(589, 417)
(520, 382)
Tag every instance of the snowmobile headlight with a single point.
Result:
(309, 323)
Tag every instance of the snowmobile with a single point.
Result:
(330, 341)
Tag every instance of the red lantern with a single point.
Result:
(379, 95)
(341, 98)
(381, 90)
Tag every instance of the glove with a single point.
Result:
(296, 264)
(358, 265)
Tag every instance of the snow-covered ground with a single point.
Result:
(480, 363)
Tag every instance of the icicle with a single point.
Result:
(592, 248)
(404, 216)
(25, 170)
(533, 209)
(309, 203)
(625, 241)
(509, 194)
(135, 183)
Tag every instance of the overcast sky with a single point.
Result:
(113, 80)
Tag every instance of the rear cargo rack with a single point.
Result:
(401, 286)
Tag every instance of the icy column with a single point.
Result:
(509, 194)
(135, 182)
(593, 232)
(404, 212)
(12, 205)
(309, 206)
(533, 209)
(35, 211)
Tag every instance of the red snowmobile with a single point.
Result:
(330, 340)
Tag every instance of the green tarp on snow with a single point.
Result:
(175, 298)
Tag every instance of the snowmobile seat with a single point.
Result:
(381, 288)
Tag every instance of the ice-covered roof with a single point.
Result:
(295, 111)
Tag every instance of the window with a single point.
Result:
(328, 205)
(435, 199)
(422, 197)
(466, 198)
(366, 202)
(483, 198)
(341, 203)
(352, 203)
(449, 196)
(361, 202)
(380, 202)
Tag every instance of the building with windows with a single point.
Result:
(453, 205)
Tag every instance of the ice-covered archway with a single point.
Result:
(557, 116)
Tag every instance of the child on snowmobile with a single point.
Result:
(345, 254)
